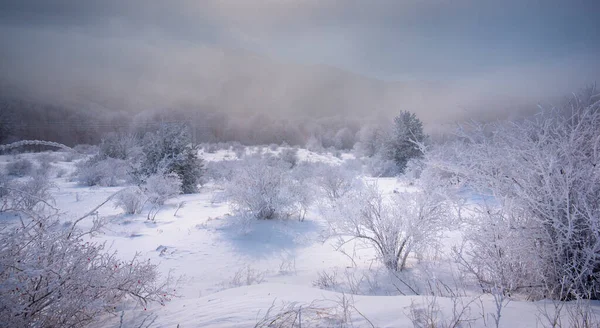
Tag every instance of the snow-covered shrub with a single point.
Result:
(335, 181)
(46, 157)
(326, 280)
(45, 161)
(263, 189)
(160, 187)
(238, 149)
(19, 167)
(353, 164)
(108, 172)
(221, 171)
(119, 146)
(300, 191)
(131, 200)
(25, 194)
(340, 312)
(245, 276)
(536, 228)
(70, 156)
(344, 139)
(370, 141)
(51, 277)
(395, 227)
(118, 156)
(169, 150)
(289, 155)
(379, 166)
(413, 170)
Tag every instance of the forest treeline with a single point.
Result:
(22, 119)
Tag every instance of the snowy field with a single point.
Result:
(229, 276)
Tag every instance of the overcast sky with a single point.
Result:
(545, 42)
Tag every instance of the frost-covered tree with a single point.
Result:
(371, 139)
(395, 227)
(344, 139)
(401, 147)
(169, 150)
(536, 224)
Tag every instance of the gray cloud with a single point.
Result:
(446, 59)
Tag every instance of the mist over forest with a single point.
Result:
(71, 72)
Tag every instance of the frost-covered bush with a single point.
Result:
(238, 149)
(24, 194)
(45, 161)
(118, 156)
(289, 155)
(51, 277)
(47, 157)
(536, 224)
(335, 181)
(19, 167)
(394, 227)
(221, 171)
(379, 166)
(108, 172)
(160, 187)
(131, 200)
(69, 156)
(264, 189)
(300, 191)
(169, 150)
(413, 170)
(353, 164)
(120, 146)
(370, 141)
(344, 139)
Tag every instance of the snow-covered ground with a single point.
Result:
(229, 277)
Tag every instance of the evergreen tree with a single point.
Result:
(407, 130)
(169, 150)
